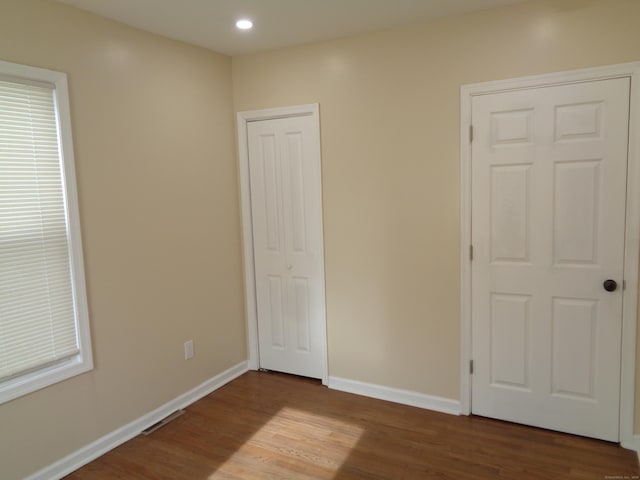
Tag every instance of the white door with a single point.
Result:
(286, 209)
(549, 170)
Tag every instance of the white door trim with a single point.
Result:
(243, 118)
(632, 230)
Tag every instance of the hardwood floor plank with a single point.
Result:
(275, 426)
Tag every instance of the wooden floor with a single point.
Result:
(275, 426)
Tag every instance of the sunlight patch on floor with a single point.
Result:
(293, 442)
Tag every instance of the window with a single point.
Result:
(44, 327)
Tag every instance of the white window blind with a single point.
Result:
(37, 314)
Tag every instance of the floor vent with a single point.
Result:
(162, 423)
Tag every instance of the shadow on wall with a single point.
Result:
(568, 5)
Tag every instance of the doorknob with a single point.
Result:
(610, 285)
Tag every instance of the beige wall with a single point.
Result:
(154, 144)
(390, 144)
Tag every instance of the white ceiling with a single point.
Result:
(277, 23)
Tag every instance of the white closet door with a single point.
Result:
(286, 207)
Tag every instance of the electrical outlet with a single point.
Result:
(188, 349)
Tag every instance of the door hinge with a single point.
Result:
(470, 252)
(470, 133)
(471, 367)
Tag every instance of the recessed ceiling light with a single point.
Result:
(244, 24)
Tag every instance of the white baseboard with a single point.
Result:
(632, 444)
(405, 397)
(101, 446)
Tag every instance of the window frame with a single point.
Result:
(37, 379)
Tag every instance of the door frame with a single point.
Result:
(243, 119)
(632, 227)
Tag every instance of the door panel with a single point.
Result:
(574, 343)
(548, 217)
(510, 194)
(576, 212)
(510, 340)
(286, 207)
(270, 187)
